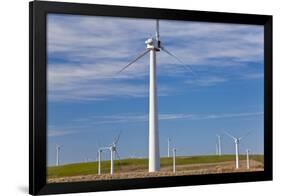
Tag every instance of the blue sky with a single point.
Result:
(89, 103)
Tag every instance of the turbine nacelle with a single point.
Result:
(236, 140)
(152, 44)
(113, 147)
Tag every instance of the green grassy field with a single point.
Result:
(91, 167)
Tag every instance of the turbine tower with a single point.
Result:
(174, 160)
(99, 161)
(169, 140)
(219, 145)
(58, 148)
(111, 160)
(248, 159)
(153, 45)
(217, 150)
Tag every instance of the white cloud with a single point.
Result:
(80, 125)
(253, 76)
(135, 118)
(57, 133)
(89, 51)
(208, 81)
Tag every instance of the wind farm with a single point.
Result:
(175, 165)
(137, 168)
(175, 125)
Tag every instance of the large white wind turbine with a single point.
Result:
(58, 148)
(153, 45)
(236, 142)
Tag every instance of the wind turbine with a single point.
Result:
(236, 142)
(219, 145)
(169, 140)
(174, 159)
(58, 148)
(153, 45)
(248, 159)
(99, 161)
(217, 150)
(113, 152)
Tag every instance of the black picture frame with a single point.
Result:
(37, 96)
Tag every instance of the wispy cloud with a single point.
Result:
(57, 133)
(85, 54)
(82, 125)
(208, 81)
(135, 118)
(232, 115)
(253, 76)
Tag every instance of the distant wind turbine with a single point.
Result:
(248, 159)
(219, 145)
(217, 150)
(58, 148)
(99, 160)
(153, 45)
(174, 159)
(169, 140)
(113, 152)
(236, 142)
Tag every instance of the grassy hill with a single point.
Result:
(129, 164)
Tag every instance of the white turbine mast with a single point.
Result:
(248, 158)
(219, 145)
(99, 161)
(217, 150)
(153, 45)
(174, 159)
(236, 142)
(58, 148)
(169, 140)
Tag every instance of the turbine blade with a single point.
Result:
(98, 143)
(137, 58)
(119, 160)
(171, 54)
(230, 135)
(180, 61)
(117, 154)
(158, 34)
(157, 31)
(117, 138)
(247, 134)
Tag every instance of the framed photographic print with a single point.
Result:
(131, 97)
